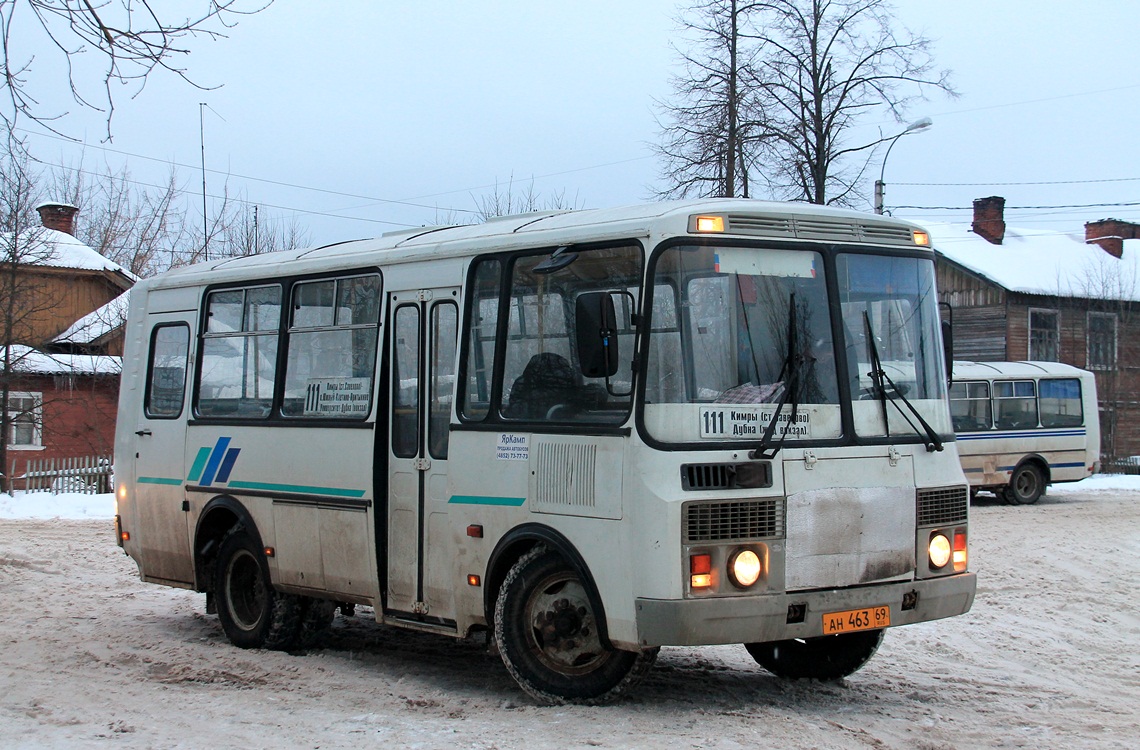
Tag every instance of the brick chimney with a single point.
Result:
(989, 219)
(58, 216)
(1110, 234)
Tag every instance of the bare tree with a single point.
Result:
(127, 39)
(143, 228)
(23, 301)
(245, 231)
(807, 72)
(506, 200)
(711, 135)
(823, 64)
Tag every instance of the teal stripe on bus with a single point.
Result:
(298, 488)
(199, 464)
(158, 480)
(513, 502)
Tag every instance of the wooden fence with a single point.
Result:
(88, 475)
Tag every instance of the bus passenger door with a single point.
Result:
(161, 525)
(424, 330)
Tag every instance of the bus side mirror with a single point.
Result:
(948, 350)
(596, 321)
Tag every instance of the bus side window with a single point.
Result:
(445, 329)
(166, 384)
(1061, 403)
(970, 407)
(239, 352)
(406, 382)
(480, 343)
(1015, 404)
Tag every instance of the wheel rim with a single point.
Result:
(245, 590)
(563, 633)
(1025, 484)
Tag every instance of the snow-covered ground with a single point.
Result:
(1048, 658)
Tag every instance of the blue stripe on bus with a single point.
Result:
(1076, 465)
(228, 465)
(1026, 434)
(215, 461)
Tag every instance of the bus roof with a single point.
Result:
(1025, 369)
(747, 218)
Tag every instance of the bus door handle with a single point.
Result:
(143, 431)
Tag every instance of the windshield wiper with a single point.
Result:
(791, 371)
(880, 380)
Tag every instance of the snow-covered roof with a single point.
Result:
(50, 247)
(28, 361)
(1037, 261)
(99, 323)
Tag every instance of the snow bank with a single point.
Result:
(63, 505)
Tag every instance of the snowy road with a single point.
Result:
(1048, 658)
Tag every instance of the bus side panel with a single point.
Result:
(308, 493)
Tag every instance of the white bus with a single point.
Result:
(1024, 425)
(589, 433)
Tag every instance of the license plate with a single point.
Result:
(852, 620)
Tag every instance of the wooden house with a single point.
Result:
(1024, 294)
(62, 311)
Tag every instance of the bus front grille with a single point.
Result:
(942, 506)
(734, 520)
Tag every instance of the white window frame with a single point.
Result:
(37, 443)
(1115, 341)
(1031, 355)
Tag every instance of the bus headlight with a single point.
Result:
(744, 568)
(939, 550)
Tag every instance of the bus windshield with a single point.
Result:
(746, 335)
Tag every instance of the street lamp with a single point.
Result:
(915, 127)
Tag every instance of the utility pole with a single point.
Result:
(205, 219)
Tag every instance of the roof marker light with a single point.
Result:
(709, 223)
(921, 238)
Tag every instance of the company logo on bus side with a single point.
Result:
(213, 464)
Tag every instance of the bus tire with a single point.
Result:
(316, 617)
(830, 657)
(253, 614)
(1026, 486)
(547, 636)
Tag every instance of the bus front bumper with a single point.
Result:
(765, 617)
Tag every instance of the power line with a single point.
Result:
(1021, 208)
(1015, 184)
(372, 199)
(276, 183)
(243, 201)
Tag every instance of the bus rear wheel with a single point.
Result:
(252, 613)
(547, 634)
(1026, 486)
(830, 657)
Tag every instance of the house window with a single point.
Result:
(25, 419)
(1102, 341)
(1044, 335)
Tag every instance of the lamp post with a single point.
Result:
(915, 127)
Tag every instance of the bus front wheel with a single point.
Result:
(1026, 486)
(547, 634)
(827, 658)
(252, 613)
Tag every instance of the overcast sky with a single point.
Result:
(432, 104)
